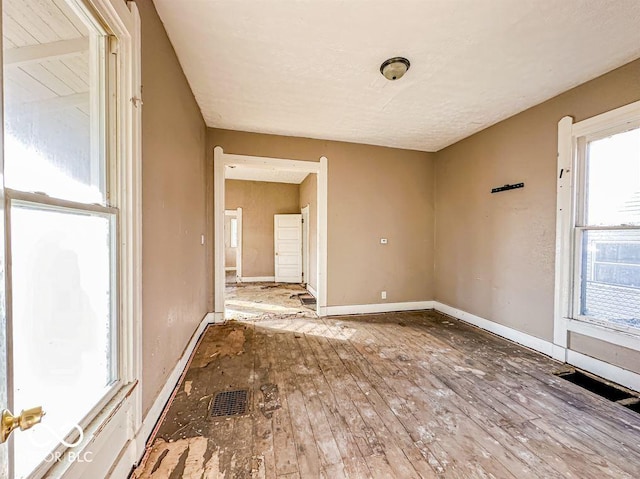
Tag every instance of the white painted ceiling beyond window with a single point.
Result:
(311, 68)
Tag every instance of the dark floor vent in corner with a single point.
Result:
(230, 403)
(611, 391)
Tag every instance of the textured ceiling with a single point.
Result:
(311, 68)
(264, 174)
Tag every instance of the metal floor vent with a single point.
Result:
(307, 300)
(230, 403)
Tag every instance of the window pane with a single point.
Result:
(53, 112)
(234, 232)
(62, 328)
(613, 180)
(611, 276)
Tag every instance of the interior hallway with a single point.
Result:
(403, 395)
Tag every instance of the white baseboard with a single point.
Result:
(136, 448)
(312, 291)
(257, 279)
(600, 368)
(376, 308)
(230, 268)
(533, 342)
(155, 412)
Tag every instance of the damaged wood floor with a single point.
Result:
(397, 395)
(253, 301)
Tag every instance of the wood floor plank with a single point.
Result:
(398, 421)
(283, 440)
(307, 453)
(365, 426)
(329, 453)
(468, 436)
(385, 458)
(397, 395)
(264, 387)
(351, 458)
(591, 440)
(485, 413)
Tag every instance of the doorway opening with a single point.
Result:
(280, 252)
(233, 246)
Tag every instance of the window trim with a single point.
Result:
(117, 418)
(569, 217)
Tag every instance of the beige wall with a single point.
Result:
(374, 192)
(259, 201)
(309, 196)
(495, 252)
(173, 202)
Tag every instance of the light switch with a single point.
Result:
(383, 241)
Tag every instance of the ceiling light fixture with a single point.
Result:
(394, 68)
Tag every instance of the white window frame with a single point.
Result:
(108, 443)
(569, 210)
(237, 215)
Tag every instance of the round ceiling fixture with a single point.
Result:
(394, 68)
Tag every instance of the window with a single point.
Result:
(616, 263)
(234, 232)
(66, 123)
(608, 228)
(598, 227)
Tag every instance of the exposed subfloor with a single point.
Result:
(398, 395)
(259, 301)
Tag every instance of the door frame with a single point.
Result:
(305, 245)
(220, 161)
(237, 214)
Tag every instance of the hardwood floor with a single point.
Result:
(398, 395)
(251, 301)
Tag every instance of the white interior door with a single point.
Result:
(288, 248)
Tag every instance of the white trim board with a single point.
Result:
(137, 447)
(603, 369)
(258, 279)
(377, 308)
(312, 291)
(532, 342)
(620, 338)
(269, 163)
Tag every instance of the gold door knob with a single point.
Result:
(27, 419)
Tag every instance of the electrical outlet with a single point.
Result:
(383, 295)
(201, 239)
